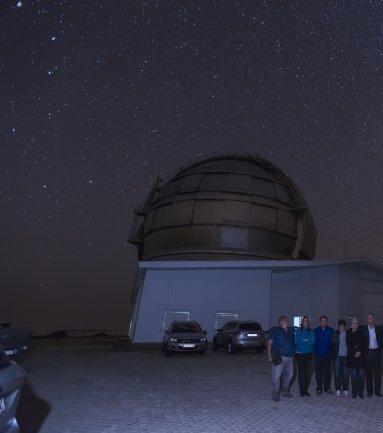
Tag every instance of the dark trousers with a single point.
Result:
(322, 372)
(357, 381)
(341, 374)
(373, 377)
(304, 364)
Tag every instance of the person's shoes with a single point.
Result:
(287, 395)
(361, 396)
(307, 394)
(328, 391)
(353, 396)
(302, 394)
(345, 393)
(338, 393)
(369, 394)
(275, 398)
(319, 392)
(378, 394)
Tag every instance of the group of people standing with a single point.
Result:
(354, 353)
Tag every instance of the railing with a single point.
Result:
(71, 333)
(112, 335)
(135, 235)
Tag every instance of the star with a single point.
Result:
(97, 105)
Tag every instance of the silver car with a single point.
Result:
(184, 337)
(11, 382)
(237, 335)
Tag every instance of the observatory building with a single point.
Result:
(232, 237)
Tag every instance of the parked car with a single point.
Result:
(11, 382)
(14, 340)
(238, 335)
(184, 337)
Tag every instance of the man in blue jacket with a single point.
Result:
(322, 346)
(280, 350)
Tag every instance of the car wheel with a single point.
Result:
(202, 352)
(215, 344)
(230, 347)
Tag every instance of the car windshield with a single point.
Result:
(250, 327)
(4, 361)
(186, 327)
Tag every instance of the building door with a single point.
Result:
(223, 317)
(172, 315)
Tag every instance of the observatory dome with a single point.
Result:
(225, 207)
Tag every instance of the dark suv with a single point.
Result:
(184, 337)
(238, 335)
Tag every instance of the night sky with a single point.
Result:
(100, 97)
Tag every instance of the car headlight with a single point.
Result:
(173, 340)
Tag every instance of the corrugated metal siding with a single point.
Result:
(350, 295)
(312, 292)
(203, 292)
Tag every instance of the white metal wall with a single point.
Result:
(203, 292)
(350, 294)
(311, 292)
(361, 293)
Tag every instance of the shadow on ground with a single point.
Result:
(32, 410)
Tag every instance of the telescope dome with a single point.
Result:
(225, 207)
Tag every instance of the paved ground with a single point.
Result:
(75, 389)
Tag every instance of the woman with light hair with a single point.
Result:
(356, 348)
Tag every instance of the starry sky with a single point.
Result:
(98, 98)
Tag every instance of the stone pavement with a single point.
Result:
(78, 389)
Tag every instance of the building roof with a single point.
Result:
(275, 265)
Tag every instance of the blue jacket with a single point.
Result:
(283, 341)
(304, 340)
(323, 339)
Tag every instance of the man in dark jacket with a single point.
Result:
(281, 343)
(322, 346)
(374, 342)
